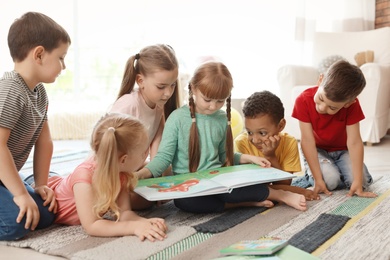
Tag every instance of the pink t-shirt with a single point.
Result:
(63, 189)
(134, 104)
(329, 130)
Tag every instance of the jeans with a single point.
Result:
(9, 228)
(336, 168)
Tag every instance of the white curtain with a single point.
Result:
(329, 16)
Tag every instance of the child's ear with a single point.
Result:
(281, 125)
(193, 90)
(139, 78)
(320, 79)
(123, 158)
(38, 53)
(349, 103)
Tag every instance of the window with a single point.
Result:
(251, 37)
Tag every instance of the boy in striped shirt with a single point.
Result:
(38, 46)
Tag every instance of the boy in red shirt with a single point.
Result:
(329, 116)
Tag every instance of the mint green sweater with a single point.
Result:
(174, 149)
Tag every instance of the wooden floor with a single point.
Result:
(376, 159)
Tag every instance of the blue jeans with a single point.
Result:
(336, 168)
(9, 229)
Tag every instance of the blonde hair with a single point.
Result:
(214, 81)
(149, 60)
(110, 140)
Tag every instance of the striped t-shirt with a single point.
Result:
(23, 112)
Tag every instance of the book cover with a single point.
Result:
(208, 182)
(286, 253)
(262, 246)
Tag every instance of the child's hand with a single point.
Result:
(320, 187)
(262, 162)
(160, 223)
(310, 195)
(143, 173)
(246, 158)
(358, 190)
(48, 196)
(151, 229)
(28, 207)
(268, 147)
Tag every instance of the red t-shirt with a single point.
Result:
(329, 130)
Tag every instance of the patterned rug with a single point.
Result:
(73, 243)
(362, 228)
(336, 227)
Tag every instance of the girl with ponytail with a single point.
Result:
(96, 194)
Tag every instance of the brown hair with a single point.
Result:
(264, 103)
(214, 81)
(149, 60)
(343, 82)
(34, 29)
(109, 141)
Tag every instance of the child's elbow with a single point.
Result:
(91, 231)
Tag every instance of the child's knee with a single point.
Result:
(46, 218)
(330, 174)
(367, 180)
(13, 231)
(332, 183)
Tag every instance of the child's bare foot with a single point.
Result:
(295, 200)
(265, 203)
(309, 195)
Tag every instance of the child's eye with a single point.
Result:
(207, 100)
(257, 133)
(160, 87)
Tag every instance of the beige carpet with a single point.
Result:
(365, 236)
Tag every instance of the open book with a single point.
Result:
(208, 182)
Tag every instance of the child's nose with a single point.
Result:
(322, 107)
(256, 139)
(213, 105)
(168, 92)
